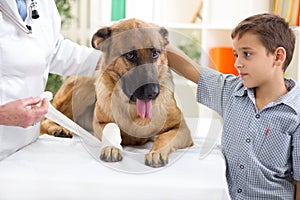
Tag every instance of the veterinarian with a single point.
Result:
(31, 46)
(260, 109)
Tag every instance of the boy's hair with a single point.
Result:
(272, 30)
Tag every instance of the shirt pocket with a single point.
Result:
(274, 148)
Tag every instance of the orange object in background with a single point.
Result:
(222, 59)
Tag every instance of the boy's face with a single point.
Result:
(254, 64)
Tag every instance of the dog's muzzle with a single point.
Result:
(141, 86)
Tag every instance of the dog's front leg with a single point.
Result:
(108, 153)
(111, 143)
(166, 143)
(51, 128)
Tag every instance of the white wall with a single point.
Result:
(161, 11)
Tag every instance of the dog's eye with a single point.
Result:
(155, 53)
(131, 56)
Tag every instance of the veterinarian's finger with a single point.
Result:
(40, 112)
(45, 104)
(31, 101)
(43, 109)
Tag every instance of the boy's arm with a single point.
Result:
(182, 64)
(297, 190)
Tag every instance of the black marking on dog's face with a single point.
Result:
(141, 82)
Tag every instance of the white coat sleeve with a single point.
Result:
(70, 58)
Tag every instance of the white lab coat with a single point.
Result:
(27, 57)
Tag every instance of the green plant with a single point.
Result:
(192, 50)
(64, 8)
(191, 47)
(54, 82)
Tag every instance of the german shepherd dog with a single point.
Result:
(133, 87)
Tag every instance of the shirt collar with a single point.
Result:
(291, 99)
(240, 90)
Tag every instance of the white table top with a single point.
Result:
(61, 168)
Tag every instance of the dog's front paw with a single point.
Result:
(156, 159)
(111, 154)
(59, 131)
(64, 133)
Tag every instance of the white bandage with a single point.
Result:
(64, 121)
(48, 95)
(111, 136)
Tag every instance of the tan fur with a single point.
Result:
(103, 95)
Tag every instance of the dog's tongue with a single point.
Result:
(144, 108)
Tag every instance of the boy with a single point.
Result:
(260, 109)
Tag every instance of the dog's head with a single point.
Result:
(134, 53)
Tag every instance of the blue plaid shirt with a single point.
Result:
(261, 147)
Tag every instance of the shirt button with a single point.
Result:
(248, 140)
(239, 190)
(257, 116)
(242, 166)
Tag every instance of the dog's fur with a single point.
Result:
(132, 70)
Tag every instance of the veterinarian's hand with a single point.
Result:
(23, 112)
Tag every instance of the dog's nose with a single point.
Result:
(147, 92)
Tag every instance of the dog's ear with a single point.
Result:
(165, 34)
(101, 35)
